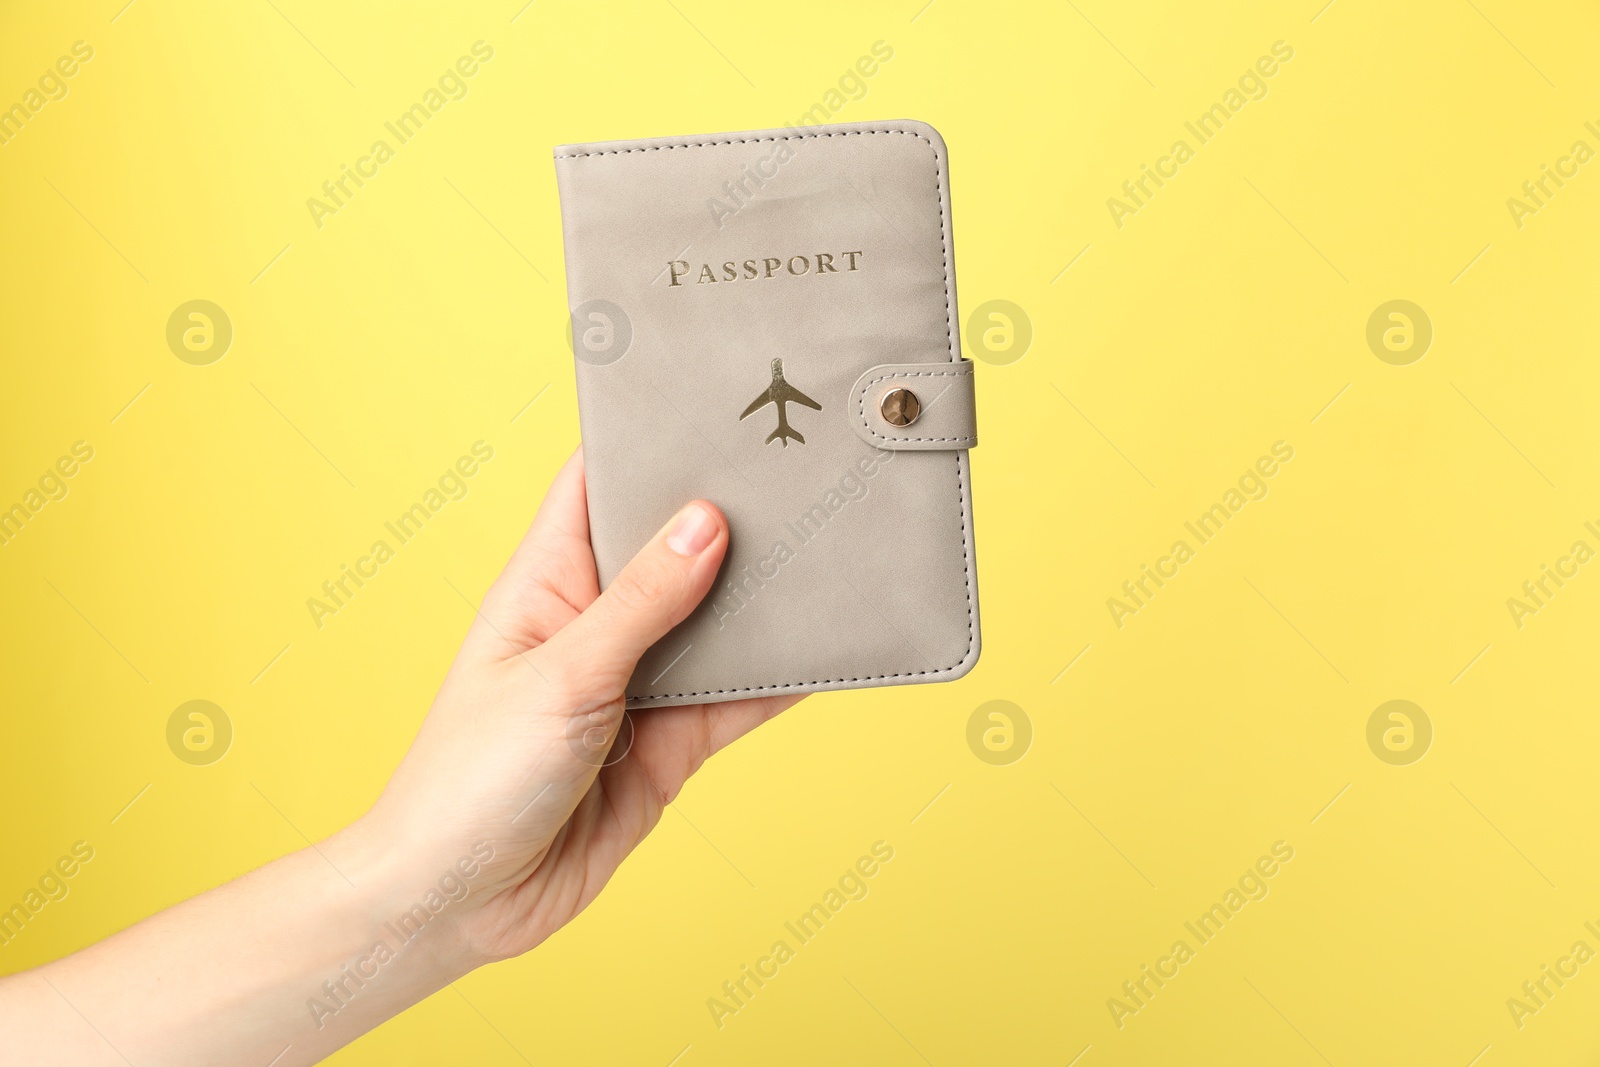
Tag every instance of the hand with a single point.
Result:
(500, 825)
(510, 756)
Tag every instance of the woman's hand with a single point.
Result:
(514, 806)
(527, 752)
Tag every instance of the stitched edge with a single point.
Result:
(763, 140)
(961, 481)
(866, 387)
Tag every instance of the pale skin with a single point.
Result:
(508, 815)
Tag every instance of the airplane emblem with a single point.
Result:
(782, 394)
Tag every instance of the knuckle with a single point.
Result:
(644, 584)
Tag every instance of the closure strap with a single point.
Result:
(941, 395)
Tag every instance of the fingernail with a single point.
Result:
(693, 531)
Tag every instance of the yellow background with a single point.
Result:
(1222, 317)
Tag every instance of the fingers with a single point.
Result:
(561, 523)
(565, 508)
(550, 577)
(673, 743)
(597, 651)
(726, 723)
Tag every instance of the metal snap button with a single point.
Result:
(900, 407)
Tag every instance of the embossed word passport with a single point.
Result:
(767, 320)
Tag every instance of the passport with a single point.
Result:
(767, 320)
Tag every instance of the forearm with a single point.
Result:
(290, 961)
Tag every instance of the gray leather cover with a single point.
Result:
(707, 275)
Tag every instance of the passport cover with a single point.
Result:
(754, 316)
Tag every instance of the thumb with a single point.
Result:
(597, 651)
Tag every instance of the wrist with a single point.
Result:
(411, 903)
